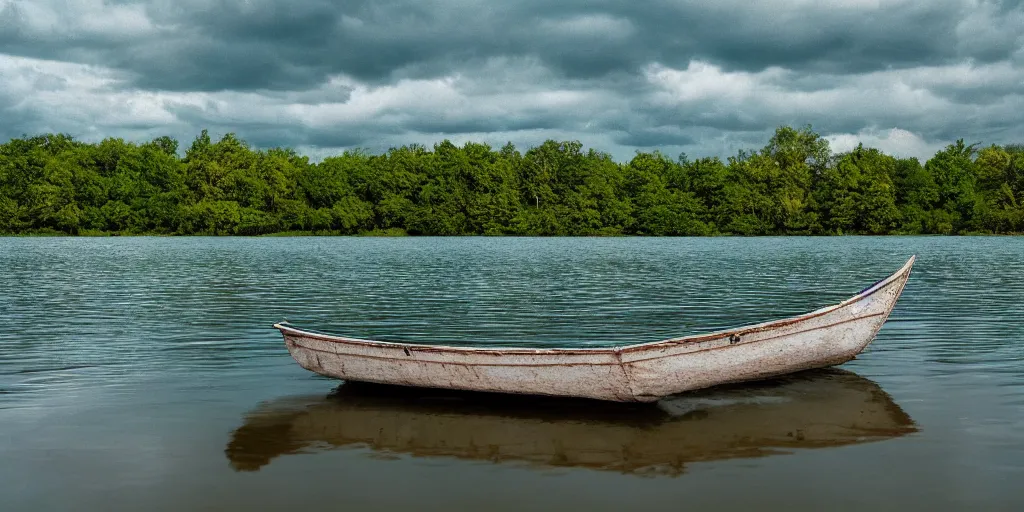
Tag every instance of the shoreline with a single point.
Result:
(309, 234)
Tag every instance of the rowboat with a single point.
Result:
(814, 409)
(643, 372)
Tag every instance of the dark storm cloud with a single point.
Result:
(647, 138)
(294, 44)
(620, 73)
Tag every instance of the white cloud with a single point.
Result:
(75, 18)
(701, 81)
(767, 91)
(923, 99)
(894, 141)
(25, 76)
(77, 97)
(964, 75)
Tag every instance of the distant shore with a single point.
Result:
(52, 184)
(402, 234)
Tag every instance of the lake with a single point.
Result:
(144, 374)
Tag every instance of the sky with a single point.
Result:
(707, 78)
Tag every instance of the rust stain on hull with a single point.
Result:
(636, 373)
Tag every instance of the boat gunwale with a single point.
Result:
(611, 362)
(288, 330)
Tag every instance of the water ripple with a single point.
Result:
(76, 308)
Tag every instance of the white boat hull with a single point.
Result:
(641, 373)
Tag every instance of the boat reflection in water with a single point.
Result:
(814, 409)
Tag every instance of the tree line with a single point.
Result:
(793, 185)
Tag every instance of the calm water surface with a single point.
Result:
(143, 374)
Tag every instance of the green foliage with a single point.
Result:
(857, 195)
(794, 185)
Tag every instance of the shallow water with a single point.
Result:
(142, 373)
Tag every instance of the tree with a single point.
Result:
(793, 185)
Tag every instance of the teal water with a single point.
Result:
(142, 373)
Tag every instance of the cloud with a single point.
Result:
(707, 78)
(896, 142)
(83, 20)
(48, 96)
(936, 101)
